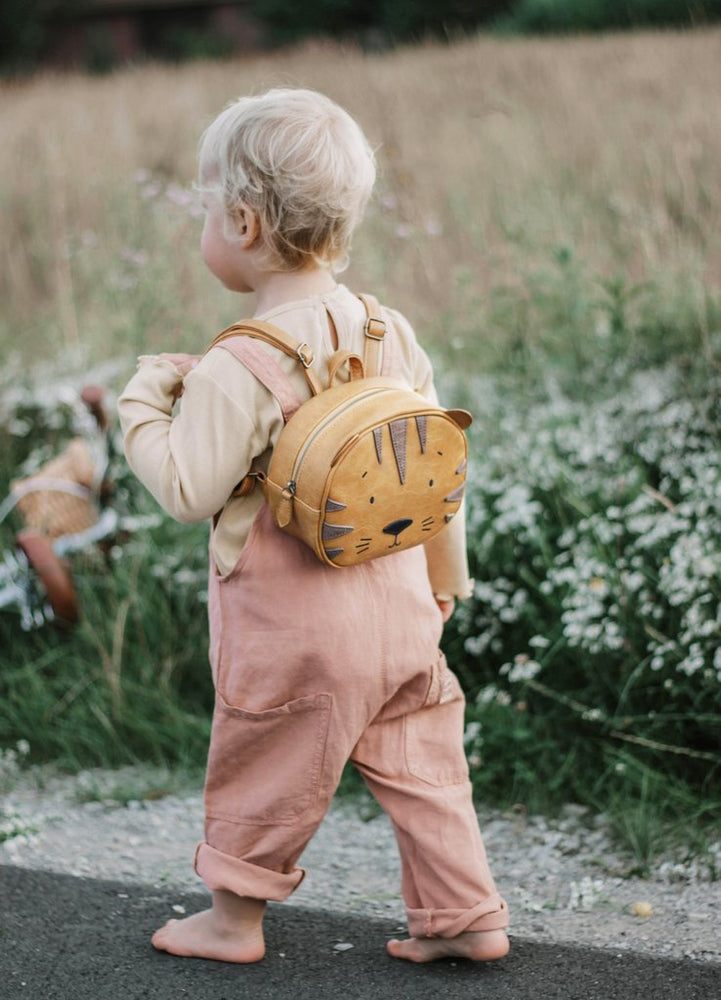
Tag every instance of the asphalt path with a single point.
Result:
(66, 938)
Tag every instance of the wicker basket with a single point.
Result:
(59, 498)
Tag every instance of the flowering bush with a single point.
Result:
(595, 540)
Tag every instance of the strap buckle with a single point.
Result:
(248, 483)
(374, 329)
(305, 355)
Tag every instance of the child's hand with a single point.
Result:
(183, 362)
(447, 606)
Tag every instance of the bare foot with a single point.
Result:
(478, 946)
(232, 931)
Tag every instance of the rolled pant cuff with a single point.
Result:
(221, 871)
(490, 915)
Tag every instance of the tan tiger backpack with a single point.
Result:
(363, 468)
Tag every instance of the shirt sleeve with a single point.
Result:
(446, 552)
(191, 459)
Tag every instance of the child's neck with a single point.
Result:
(276, 288)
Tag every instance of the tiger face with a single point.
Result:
(396, 487)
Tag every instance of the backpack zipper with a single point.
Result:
(291, 486)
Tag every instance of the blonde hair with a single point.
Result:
(301, 163)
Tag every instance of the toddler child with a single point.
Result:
(312, 666)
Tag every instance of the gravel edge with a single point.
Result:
(563, 879)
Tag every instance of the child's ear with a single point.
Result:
(248, 226)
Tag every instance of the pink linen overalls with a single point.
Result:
(314, 666)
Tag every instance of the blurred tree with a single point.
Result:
(286, 21)
(21, 32)
(24, 24)
(418, 18)
(598, 15)
(385, 20)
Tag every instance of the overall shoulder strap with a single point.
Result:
(271, 375)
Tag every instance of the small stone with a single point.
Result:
(342, 946)
(642, 909)
(573, 810)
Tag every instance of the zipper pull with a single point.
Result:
(284, 510)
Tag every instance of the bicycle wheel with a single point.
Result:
(54, 576)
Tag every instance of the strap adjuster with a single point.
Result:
(374, 329)
(305, 355)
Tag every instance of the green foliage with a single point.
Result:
(591, 650)
(600, 15)
(387, 21)
(129, 684)
(555, 323)
(21, 32)
(181, 44)
(286, 22)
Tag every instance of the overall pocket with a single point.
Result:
(265, 767)
(434, 734)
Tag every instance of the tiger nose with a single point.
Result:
(395, 527)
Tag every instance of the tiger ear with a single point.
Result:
(462, 417)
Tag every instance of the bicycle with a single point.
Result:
(65, 507)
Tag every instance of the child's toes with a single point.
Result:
(160, 937)
(411, 950)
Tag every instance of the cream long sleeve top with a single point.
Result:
(192, 456)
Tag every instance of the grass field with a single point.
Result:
(495, 157)
(548, 214)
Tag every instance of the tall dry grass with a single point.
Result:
(493, 155)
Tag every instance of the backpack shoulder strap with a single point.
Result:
(273, 335)
(374, 329)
